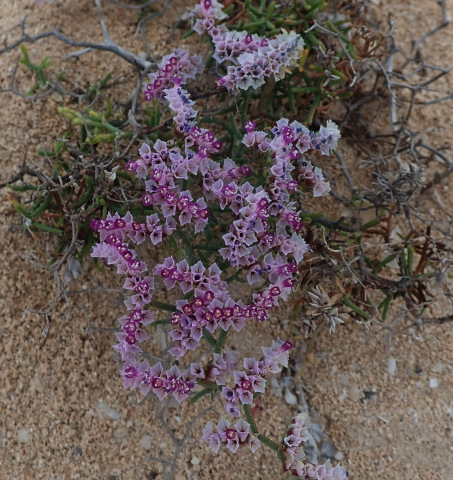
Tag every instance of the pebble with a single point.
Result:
(23, 436)
(391, 366)
(108, 412)
(290, 398)
(195, 461)
(438, 368)
(355, 394)
(433, 382)
(145, 442)
(339, 456)
(36, 384)
(120, 433)
(343, 379)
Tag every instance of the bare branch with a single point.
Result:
(108, 45)
(445, 22)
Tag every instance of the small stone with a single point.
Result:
(343, 379)
(145, 442)
(369, 394)
(56, 97)
(23, 436)
(438, 368)
(290, 398)
(105, 411)
(120, 433)
(36, 384)
(355, 367)
(339, 456)
(195, 461)
(433, 382)
(391, 366)
(355, 394)
(77, 451)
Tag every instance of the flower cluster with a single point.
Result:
(251, 380)
(232, 438)
(248, 211)
(154, 379)
(265, 239)
(296, 434)
(205, 14)
(273, 57)
(254, 58)
(216, 371)
(112, 248)
(178, 64)
(180, 103)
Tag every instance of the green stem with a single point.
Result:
(42, 206)
(355, 308)
(209, 338)
(163, 321)
(251, 420)
(221, 341)
(267, 94)
(163, 306)
(22, 188)
(235, 276)
(313, 108)
(199, 395)
(190, 253)
(272, 445)
(46, 228)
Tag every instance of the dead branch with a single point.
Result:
(108, 45)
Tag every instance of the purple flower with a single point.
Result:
(255, 59)
(177, 64)
(231, 437)
(186, 179)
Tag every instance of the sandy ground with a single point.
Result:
(64, 413)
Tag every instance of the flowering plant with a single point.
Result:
(232, 217)
(229, 208)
